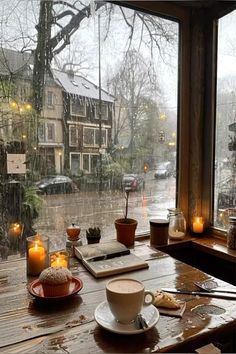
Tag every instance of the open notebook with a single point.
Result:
(103, 259)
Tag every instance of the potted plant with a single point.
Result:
(125, 227)
(93, 235)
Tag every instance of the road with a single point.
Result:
(88, 209)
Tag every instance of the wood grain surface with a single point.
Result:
(28, 326)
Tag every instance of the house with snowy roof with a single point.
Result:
(86, 133)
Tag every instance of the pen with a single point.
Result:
(108, 256)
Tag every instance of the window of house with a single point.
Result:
(73, 136)
(225, 134)
(88, 136)
(104, 111)
(75, 163)
(94, 163)
(41, 132)
(104, 137)
(86, 164)
(50, 98)
(50, 131)
(92, 137)
(78, 107)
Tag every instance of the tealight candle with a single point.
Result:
(59, 259)
(198, 225)
(176, 234)
(37, 254)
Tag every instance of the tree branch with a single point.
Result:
(72, 26)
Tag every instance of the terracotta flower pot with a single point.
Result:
(125, 231)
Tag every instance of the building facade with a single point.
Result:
(86, 134)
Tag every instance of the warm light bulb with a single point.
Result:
(13, 104)
(28, 106)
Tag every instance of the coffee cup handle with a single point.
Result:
(151, 301)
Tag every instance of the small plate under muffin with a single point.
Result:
(35, 289)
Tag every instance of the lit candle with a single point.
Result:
(36, 259)
(198, 225)
(176, 234)
(59, 260)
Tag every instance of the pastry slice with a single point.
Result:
(163, 299)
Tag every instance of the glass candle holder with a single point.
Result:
(59, 259)
(37, 254)
(198, 225)
(177, 225)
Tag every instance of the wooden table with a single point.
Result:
(30, 327)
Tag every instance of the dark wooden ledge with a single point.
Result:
(207, 244)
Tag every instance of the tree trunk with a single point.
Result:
(43, 53)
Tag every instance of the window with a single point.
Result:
(75, 163)
(73, 136)
(78, 107)
(91, 137)
(225, 135)
(88, 138)
(50, 131)
(139, 86)
(90, 163)
(94, 163)
(104, 111)
(49, 98)
(86, 163)
(41, 132)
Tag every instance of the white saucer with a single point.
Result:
(104, 318)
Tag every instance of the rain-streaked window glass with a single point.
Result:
(225, 135)
(125, 60)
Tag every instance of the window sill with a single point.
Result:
(207, 253)
(207, 243)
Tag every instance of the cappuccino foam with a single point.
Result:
(124, 286)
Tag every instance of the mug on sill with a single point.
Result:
(158, 232)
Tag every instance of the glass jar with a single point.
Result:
(37, 254)
(231, 234)
(73, 232)
(177, 224)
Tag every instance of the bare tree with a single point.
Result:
(65, 18)
(134, 85)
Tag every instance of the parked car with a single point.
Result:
(55, 185)
(132, 182)
(164, 170)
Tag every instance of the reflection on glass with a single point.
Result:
(225, 143)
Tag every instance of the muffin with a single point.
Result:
(55, 281)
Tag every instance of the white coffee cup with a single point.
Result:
(126, 297)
